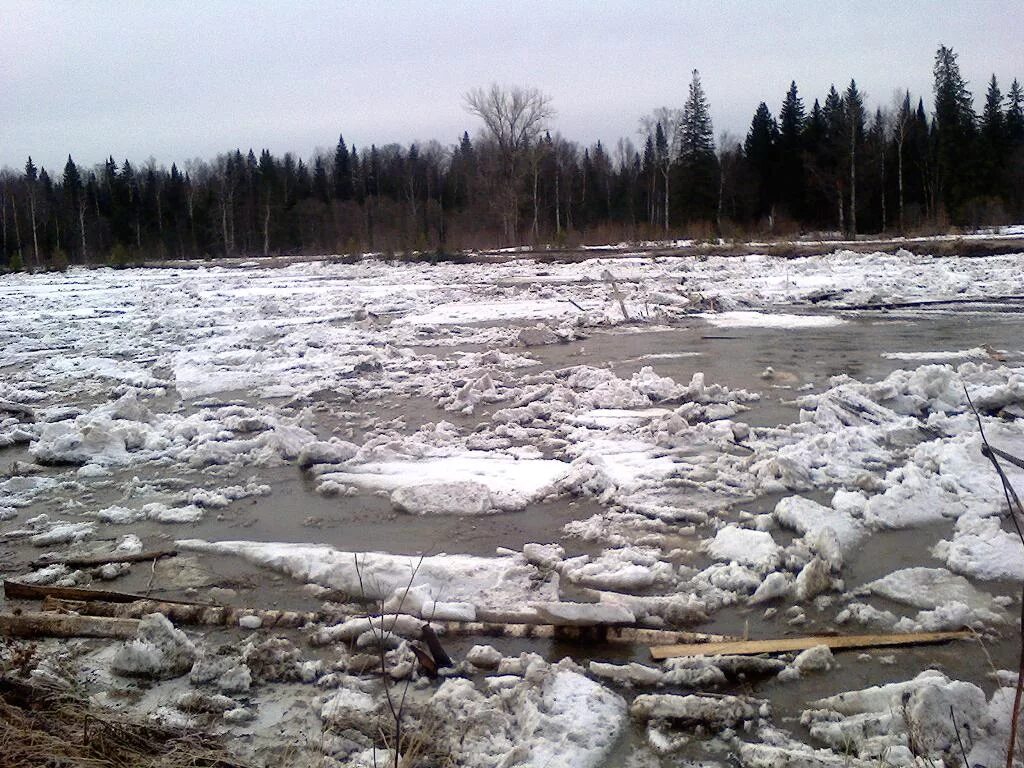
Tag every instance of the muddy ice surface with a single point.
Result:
(734, 448)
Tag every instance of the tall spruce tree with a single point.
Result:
(74, 200)
(1015, 114)
(761, 150)
(834, 150)
(697, 160)
(791, 153)
(855, 118)
(342, 171)
(992, 140)
(954, 127)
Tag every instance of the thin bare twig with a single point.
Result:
(956, 730)
(1014, 508)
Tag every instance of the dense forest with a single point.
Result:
(831, 167)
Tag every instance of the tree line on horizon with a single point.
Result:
(828, 168)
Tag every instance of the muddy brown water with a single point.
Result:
(732, 357)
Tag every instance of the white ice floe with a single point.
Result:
(498, 586)
(473, 482)
(756, 548)
(554, 718)
(750, 319)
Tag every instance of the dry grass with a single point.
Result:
(40, 728)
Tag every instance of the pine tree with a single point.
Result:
(954, 126)
(835, 148)
(855, 118)
(818, 189)
(321, 189)
(75, 202)
(791, 153)
(1015, 114)
(761, 150)
(697, 159)
(342, 172)
(663, 156)
(992, 145)
(31, 176)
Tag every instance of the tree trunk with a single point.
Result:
(721, 198)
(17, 229)
(882, 168)
(81, 228)
(839, 200)
(35, 236)
(664, 173)
(536, 207)
(853, 181)
(224, 225)
(899, 176)
(558, 201)
(266, 228)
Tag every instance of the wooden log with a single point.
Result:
(596, 634)
(181, 613)
(14, 590)
(92, 561)
(441, 659)
(66, 625)
(786, 644)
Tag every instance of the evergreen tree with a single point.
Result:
(855, 118)
(74, 201)
(31, 176)
(1015, 114)
(697, 159)
(761, 150)
(342, 172)
(791, 153)
(992, 146)
(817, 192)
(321, 189)
(834, 151)
(954, 126)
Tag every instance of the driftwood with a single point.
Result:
(782, 645)
(183, 613)
(425, 660)
(595, 634)
(91, 561)
(14, 590)
(441, 659)
(65, 625)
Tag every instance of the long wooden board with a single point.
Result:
(91, 561)
(14, 590)
(65, 625)
(784, 644)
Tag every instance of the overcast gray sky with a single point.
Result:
(178, 80)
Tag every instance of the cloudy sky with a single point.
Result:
(178, 80)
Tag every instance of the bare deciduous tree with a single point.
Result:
(514, 119)
(670, 121)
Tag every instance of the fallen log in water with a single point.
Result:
(783, 645)
(92, 561)
(184, 613)
(596, 634)
(66, 625)
(14, 590)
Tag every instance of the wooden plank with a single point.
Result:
(14, 590)
(65, 625)
(90, 561)
(785, 644)
(179, 613)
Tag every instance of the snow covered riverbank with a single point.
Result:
(705, 444)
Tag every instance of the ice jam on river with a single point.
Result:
(554, 466)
